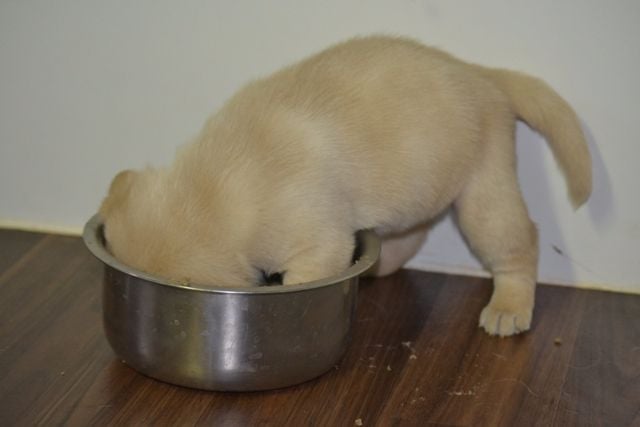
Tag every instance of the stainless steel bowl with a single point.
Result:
(223, 338)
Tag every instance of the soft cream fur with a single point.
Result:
(380, 133)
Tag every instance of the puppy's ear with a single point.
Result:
(118, 192)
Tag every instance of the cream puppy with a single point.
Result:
(375, 133)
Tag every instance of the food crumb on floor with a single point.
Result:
(461, 393)
(358, 421)
(557, 341)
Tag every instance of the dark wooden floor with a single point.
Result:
(417, 357)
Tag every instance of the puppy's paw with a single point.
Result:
(505, 322)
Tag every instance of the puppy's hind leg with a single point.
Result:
(493, 217)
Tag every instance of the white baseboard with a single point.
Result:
(40, 228)
(475, 272)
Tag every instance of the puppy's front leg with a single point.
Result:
(318, 257)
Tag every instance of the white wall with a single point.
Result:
(89, 88)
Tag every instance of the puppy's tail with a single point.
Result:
(543, 109)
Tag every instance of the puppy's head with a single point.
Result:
(156, 224)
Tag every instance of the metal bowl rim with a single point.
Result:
(370, 242)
